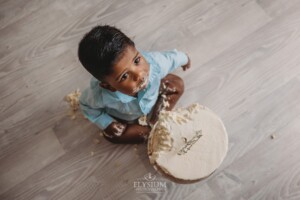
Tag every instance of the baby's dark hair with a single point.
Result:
(101, 48)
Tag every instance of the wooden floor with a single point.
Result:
(245, 67)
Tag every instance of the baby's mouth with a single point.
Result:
(142, 85)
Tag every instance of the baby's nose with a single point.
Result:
(138, 76)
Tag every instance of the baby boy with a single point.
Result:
(127, 84)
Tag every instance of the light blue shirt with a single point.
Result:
(100, 105)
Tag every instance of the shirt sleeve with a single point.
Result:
(170, 60)
(97, 116)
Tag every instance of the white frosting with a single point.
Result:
(143, 120)
(73, 100)
(188, 144)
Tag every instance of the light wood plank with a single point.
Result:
(29, 159)
(275, 162)
(277, 8)
(220, 25)
(245, 67)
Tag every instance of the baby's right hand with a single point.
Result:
(187, 65)
(115, 129)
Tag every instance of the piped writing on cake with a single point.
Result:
(190, 143)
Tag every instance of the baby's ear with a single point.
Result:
(105, 85)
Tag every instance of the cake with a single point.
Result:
(187, 144)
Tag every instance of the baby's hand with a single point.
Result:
(115, 129)
(187, 65)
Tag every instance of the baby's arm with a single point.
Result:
(171, 89)
(118, 132)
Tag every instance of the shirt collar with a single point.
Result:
(124, 98)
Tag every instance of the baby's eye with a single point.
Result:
(124, 77)
(137, 60)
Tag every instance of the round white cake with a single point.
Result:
(188, 144)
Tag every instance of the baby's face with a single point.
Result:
(130, 73)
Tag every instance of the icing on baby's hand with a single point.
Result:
(119, 129)
(115, 129)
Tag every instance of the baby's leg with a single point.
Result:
(171, 89)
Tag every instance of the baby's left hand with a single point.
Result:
(187, 65)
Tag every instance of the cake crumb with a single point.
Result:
(273, 136)
(96, 141)
(73, 101)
